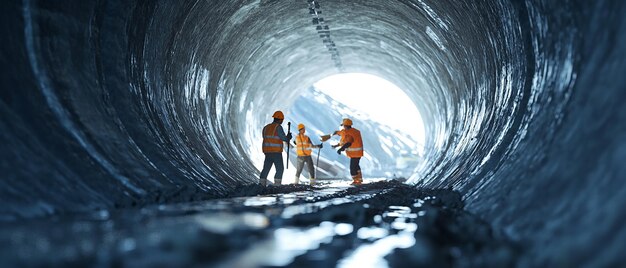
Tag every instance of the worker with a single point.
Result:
(273, 138)
(352, 143)
(304, 148)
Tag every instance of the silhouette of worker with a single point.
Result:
(304, 148)
(273, 138)
(352, 143)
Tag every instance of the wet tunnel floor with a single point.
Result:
(379, 224)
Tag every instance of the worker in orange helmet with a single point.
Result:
(273, 138)
(352, 143)
(303, 150)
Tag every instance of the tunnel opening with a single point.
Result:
(377, 99)
(390, 123)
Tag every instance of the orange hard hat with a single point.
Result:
(346, 122)
(300, 126)
(279, 115)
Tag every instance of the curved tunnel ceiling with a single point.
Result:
(125, 98)
(468, 79)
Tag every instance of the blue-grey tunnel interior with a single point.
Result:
(107, 102)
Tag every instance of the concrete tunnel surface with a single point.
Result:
(107, 103)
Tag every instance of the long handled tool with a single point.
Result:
(288, 145)
(323, 138)
(317, 163)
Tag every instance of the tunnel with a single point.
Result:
(108, 104)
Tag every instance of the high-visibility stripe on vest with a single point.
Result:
(303, 145)
(271, 142)
(354, 136)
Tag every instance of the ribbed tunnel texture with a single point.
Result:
(107, 102)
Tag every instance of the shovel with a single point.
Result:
(323, 138)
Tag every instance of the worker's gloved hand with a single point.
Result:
(289, 136)
(321, 145)
(343, 147)
(335, 145)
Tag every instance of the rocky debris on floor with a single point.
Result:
(386, 223)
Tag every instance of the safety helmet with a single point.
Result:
(279, 115)
(300, 126)
(346, 122)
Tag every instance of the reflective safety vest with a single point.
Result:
(271, 142)
(354, 136)
(303, 145)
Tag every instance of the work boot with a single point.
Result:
(312, 181)
(357, 179)
(263, 182)
(278, 182)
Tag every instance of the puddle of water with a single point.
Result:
(373, 255)
(380, 241)
(274, 230)
(288, 243)
(260, 201)
(225, 223)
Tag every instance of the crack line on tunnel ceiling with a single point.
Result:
(323, 30)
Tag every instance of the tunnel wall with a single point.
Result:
(94, 117)
(560, 189)
(113, 103)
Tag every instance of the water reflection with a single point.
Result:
(286, 243)
(349, 227)
(383, 238)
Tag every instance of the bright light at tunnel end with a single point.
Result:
(376, 98)
(389, 121)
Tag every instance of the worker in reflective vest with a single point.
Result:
(304, 148)
(352, 143)
(273, 138)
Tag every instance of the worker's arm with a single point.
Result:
(343, 147)
(295, 141)
(347, 142)
(282, 136)
(316, 146)
(348, 139)
(339, 133)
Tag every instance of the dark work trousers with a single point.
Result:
(354, 166)
(309, 162)
(275, 159)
